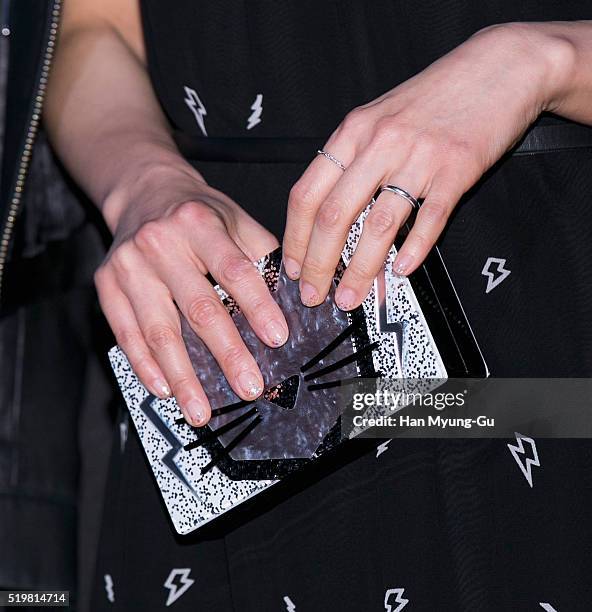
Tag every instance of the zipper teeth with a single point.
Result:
(32, 130)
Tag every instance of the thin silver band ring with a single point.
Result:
(331, 158)
(402, 193)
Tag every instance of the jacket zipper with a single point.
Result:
(5, 18)
(33, 128)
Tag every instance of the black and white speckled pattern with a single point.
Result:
(214, 492)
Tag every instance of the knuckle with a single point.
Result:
(203, 311)
(100, 277)
(194, 213)
(386, 132)
(361, 270)
(161, 336)
(434, 212)
(380, 221)
(142, 363)
(151, 236)
(355, 120)
(123, 259)
(302, 199)
(234, 269)
(330, 217)
(421, 242)
(314, 268)
(181, 382)
(128, 338)
(232, 357)
(294, 244)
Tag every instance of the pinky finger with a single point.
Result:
(123, 323)
(429, 224)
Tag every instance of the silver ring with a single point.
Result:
(400, 192)
(331, 158)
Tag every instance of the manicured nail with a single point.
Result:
(346, 298)
(402, 264)
(250, 384)
(161, 388)
(195, 411)
(276, 333)
(292, 268)
(308, 295)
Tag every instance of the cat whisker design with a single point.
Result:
(235, 441)
(342, 362)
(346, 333)
(214, 433)
(337, 383)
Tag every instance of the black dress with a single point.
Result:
(416, 524)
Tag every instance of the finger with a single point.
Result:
(388, 214)
(241, 279)
(305, 198)
(333, 221)
(159, 323)
(210, 320)
(122, 320)
(252, 238)
(442, 197)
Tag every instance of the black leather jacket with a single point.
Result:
(48, 251)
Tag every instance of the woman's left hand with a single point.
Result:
(434, 136)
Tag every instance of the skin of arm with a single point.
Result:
(434, 135)
(170, 228)
(108, 128)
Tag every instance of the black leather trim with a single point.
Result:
(539, 139)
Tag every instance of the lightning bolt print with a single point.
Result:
(398, 599)
(501, 272)
(257, 108)
(168, 460)
(290, 606)
(175, 591)
(382, 448)
(197, 108)
(518, 452)
(547, 607)
(109, 588)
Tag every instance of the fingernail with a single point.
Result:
(308, 294)
(162, 389)
(346, 298)
(250, 384)
(292, 268)
(402, 264)
(196, 412)
(277, 333)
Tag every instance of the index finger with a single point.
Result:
(306, 196)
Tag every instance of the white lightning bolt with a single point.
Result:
(123, 434)
(518, 449)
(257, 108)
(382, 448)
(197, 108)
(174, 591)
(493, 282)
(399, 599)
(109, 588)
(547, 607)
(290, 606)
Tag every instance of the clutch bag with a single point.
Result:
(411, 328)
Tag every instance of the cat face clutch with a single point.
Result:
(407, 328)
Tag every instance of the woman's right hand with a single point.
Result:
(174, 230)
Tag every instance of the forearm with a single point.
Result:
(104, 119)
(567, 45)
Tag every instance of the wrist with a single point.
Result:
(142, 188)
(549, 57)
